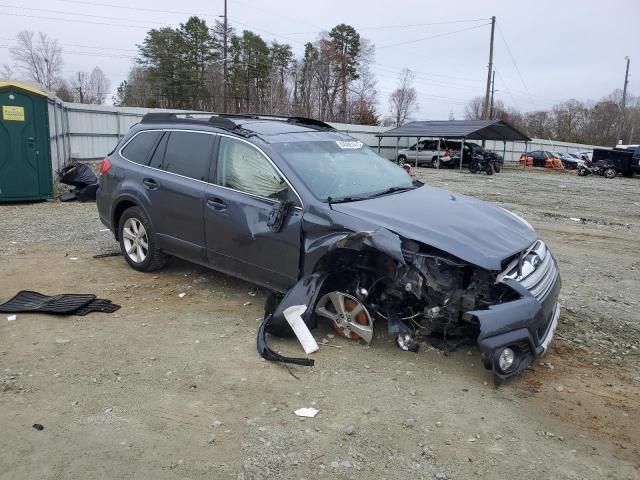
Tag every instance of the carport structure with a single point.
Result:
(456, 130)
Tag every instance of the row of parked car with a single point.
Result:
(446, 154)
(554, 159)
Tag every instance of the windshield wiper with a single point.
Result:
(392, 190)
(345, 199)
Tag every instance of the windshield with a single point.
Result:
(343, 170)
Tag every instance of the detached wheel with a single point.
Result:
(610, 173)
(138, 243)
(583, 172)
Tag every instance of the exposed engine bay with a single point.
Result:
(424, 299)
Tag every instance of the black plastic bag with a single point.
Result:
(77, 175)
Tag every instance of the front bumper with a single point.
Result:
(526, 325)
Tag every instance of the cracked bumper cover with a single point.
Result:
(527, 324)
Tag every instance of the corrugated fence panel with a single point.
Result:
(89, 132)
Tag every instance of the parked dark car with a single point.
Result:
(325, 222)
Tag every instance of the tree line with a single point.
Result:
(183, 68)
(590, 122)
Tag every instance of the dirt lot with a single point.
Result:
(172, 387)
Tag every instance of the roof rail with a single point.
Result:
(187, 117)
(225, 120)
(310, 122)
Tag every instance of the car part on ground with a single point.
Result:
(27, 301)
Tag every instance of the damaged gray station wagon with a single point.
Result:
(321, 220)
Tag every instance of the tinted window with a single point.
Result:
(188, 154)
(138, 149)
(244, 168)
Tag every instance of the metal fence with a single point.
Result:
(89, 132)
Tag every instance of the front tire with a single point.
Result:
(402, 160)
(583, 172)
(474, 167)
(435, 163)
(138, 241)
(610, 173)
(489, 170)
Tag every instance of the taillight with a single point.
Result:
(105, 166)
(447, 153)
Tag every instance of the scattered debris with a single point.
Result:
(293, 316)
(109, 254)
(181, 295)
(11, 318)
(309, 412)
(38, 426)
(62, 341)
(65, 304)
(350, 430)
(84, 181)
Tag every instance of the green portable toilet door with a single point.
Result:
(19, 175)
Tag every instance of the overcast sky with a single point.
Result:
(545, 51)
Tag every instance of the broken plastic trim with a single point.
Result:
(268, 354)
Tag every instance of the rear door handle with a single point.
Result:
(150, 183)
(216, 204)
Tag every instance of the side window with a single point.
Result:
(188, 154)
(139, 148)
(158, 155)
(244, 168)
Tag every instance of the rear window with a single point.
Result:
(189, 154)
(139, 148)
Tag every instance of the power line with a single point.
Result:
(410, 25)
(140, 9)
(516, 65)
(431, 37)
(72, 20)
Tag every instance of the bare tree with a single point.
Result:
(473, 110)
(39, 57)
(89, 87)
(403, 100)
(7, 72)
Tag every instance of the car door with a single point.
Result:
(176, 182)
(247, 190)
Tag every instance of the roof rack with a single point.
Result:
(224, 120)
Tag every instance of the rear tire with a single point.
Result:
(402, 160)
(609, 173)
(435, 163)
(138, 241)
(497, 167)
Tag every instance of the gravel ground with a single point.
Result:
(171, 387)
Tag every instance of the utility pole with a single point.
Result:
(485, 110)
(224, 61)
(493, 91)
(624, 101)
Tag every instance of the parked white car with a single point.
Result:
(427, 154)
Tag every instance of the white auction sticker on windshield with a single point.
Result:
(349, 143)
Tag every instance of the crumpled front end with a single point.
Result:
(365, 278)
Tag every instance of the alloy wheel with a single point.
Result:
(135, 240)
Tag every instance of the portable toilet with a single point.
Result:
(25, 151)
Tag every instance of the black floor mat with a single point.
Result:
(65, 304)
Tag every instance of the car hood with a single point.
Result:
(473, 230)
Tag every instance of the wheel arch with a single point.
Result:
(120, 206)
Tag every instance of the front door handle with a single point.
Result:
(216, 204)
(150, 183)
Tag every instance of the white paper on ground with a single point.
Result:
(11, 318)
(293, 315)
(306, 412)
